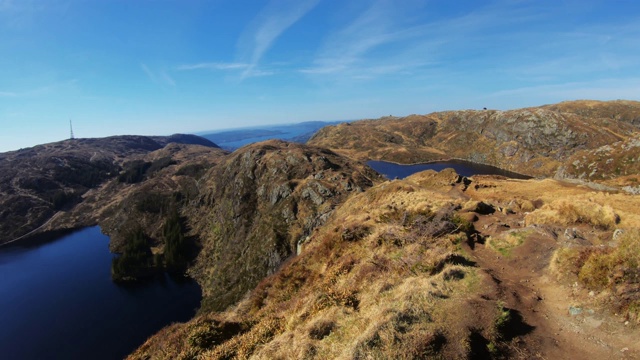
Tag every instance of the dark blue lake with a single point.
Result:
(464, 168)
(57, 301)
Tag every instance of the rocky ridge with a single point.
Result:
(436, 266)
(39, 185)
(255, 209)
(532, 141)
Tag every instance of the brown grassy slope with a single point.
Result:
(119, 208)
(38, 182)
(257, 205)
(533, 141)
(623, 110)
(392, 275)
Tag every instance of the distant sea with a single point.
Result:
(236, 138)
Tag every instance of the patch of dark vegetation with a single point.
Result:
(192, 170)
(355, 232)
(88, 174)
(321, 329)
(152, 202)
(160, 164)
(479, 346)
(134, 171)
(177, 251)
(209, 333)
(61, 199)
(136, 261)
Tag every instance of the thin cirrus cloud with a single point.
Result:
(346, 47)
(213, 66)
(266, 28)
(272, 21)
(158, 77)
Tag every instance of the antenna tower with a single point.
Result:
(71, 128)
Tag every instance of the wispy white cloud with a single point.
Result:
(345, 47)
(160, 77)
(602, 89)
(213, 66)
(272, 21)
(40, 90)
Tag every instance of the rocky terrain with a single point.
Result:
(302, 251)
(437, 266)
(39, 184)
(257, 207)
(538, 141)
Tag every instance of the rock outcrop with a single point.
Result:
(532, 141)
(258, 205)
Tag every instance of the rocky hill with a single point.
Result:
(258, 206)
(436, 266)
(38, 185)
(533, 141)
(304, 252)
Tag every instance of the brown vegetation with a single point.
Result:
(533, 141)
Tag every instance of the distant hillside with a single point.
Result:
(234, 139)
(533, 141)
(184, 139)
(36, 183)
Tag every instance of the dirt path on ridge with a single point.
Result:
(526, 286)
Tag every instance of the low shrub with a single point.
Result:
(565, 212)
(599, 268)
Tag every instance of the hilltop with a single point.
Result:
(540, 141)
(47, 180)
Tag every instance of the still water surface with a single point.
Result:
(57, 301)
(464, 168)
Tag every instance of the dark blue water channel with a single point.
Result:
(57, 301)
(464, 168)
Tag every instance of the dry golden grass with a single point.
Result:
(568, 212)
(615, 270)
(384, 278)
(350, 295)
(560, 200)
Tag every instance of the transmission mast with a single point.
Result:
(71, 128)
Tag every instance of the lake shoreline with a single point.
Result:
(392, 170)
(449, 160)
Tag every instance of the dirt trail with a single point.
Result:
(526, 286)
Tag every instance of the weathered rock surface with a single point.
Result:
(532, 141)
(256, 206)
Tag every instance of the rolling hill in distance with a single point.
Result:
(303, 251)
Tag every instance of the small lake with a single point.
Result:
(58, 301)
(464, 168)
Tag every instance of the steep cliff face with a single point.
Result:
(258, 205)
(533, 141)
(433, 267)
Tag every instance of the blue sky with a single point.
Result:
(161, 67)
